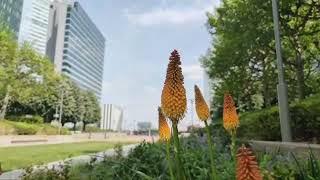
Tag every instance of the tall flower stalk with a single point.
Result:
(230, 121)
(203, 113)
(174, 104)
(247, 166)
(165, 136)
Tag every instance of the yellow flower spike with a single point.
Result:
(173, 97)
(201, 105)
(164, 129)
(230, 116)
(247, 166)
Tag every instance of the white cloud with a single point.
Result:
(193, 72)
(172, 15)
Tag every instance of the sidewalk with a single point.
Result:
(16, 174)
(27, 140)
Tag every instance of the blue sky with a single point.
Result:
(140, 35)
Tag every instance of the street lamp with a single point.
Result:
(61, 106)
(191, 110)
(282, 86)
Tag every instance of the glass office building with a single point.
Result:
(76, 45)
(34, 24)
(10, 14)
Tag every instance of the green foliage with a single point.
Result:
(242, 59)
(23, 128)
(147, 161)
(29, 85)
(32, 119)
(265, 124)
(289, 166)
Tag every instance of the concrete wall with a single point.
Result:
(300, 149)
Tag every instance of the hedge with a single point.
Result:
(22, 128)
(31, 119)
(265, 124)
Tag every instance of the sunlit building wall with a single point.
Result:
(34, 24)
(76, 45)
(112, 117)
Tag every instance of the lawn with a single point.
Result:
(20, 157)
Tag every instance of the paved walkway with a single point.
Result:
(29, 140)
(16, 174)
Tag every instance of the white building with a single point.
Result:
(34, 24)
(112, 117)
(207, 88)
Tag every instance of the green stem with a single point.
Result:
(212, 152)
(169, 160)
(233, 149)
(177, 150)
(233, 146)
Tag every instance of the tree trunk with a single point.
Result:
(265, 86)
(84, 126)
(300, 76)
(5, 104)
(74, 126)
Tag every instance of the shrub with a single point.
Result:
(6, 128)
(265, 124)
(22, 128)
(28, 119)
(48, 129)
(25, 128)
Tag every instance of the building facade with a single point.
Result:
(75, 45)
(112, 117)
(10, 14)
(34, 24)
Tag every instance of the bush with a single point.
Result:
(48, 129)
(22, 128)
(147, 161)
(28, 119)
(6, 128)
(25, 128)
(265, 124)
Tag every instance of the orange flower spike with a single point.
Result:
(173, 97)
(230, 116)
(247, 166)
(164, 130)
(201, 105)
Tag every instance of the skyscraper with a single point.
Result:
(10, 14)
(34, 24)
(112, 117)
(76, 45)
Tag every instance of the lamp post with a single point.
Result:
(282, 86)
(60, 111)
(191, 110)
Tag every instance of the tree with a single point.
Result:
(242, 57)
(92, 112)
(24, 73)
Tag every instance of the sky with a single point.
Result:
(140, 34)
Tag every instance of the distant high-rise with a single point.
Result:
(112, 117)
(76, 45)
(10, 14)
(34, 24)
(207, 88)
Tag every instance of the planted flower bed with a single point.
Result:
(217, 155)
